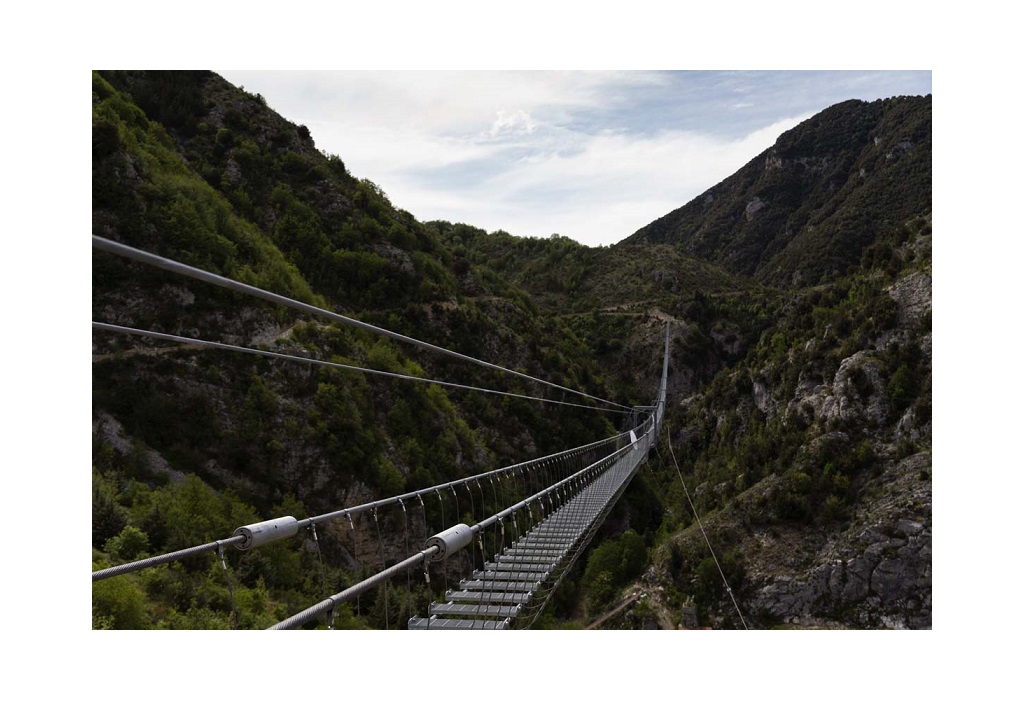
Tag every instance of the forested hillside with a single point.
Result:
(227, 185)
(801, 212)
(798, 293)
(810, 460)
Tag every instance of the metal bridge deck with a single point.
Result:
(496, 596)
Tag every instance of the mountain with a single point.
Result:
(801, 212)
(798, 294)
(810, 460)
(189, 443)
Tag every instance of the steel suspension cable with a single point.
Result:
(354, 591)
(228, 582)
(406, 550)
(321, 564)
(703, 532)
(369, 506)
(356, 557)
(123, 330)
(442, 526)
(381, 560)
(207, 277)
(456, 504)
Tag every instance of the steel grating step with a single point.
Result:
(527, 558)
(504, 586)
(566, 523)
(495, 594)
(566, 535)
(561, 531)
(539, 546)
(476, 609)
(455, 624)
(525, 551)
(491, 575)
(503, 566)
(514, 599)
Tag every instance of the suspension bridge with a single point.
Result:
(535, 521)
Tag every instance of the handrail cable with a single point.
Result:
(182, 269)
(121, 329)
(345, 512)
(576, 481)
(164, 558)
(442, 486)
(372, 581)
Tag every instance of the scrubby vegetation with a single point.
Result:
(799, 371)
(804, 210)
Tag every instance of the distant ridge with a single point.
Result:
(801, 212)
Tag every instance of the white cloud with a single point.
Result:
(612, 185)
(441, 102)
(516, 122)
(594, 155)
(376, 151)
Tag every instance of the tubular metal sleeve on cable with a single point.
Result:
(372, 581)
(121, 329)
(355, 590)
(174, 556)
(182, 269)
(164, 558)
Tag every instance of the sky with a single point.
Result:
(594, 155)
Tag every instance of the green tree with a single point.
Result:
(118, 604)
(130, 544)
(902, 388)
(109, 516)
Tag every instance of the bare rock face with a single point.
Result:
(858, 390)
(810, 397)
(876, 573)
(891, 576)
(761, 394)
(110, 430)
(397, 257)
(913, 295)
(754, 206)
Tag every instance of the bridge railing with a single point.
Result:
(526, 475)
(439, 548)
(532, 481)
(637, 443)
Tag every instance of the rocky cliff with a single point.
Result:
(801, 212)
